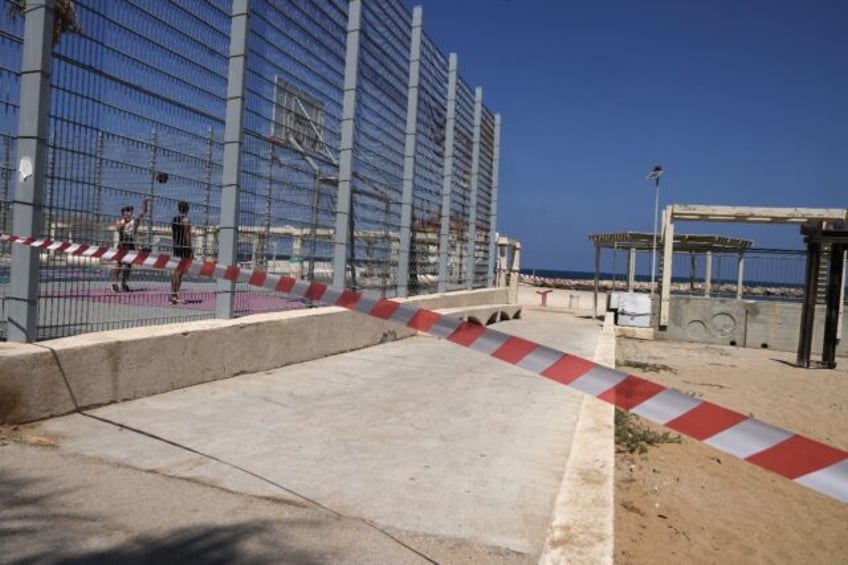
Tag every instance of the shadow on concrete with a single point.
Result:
(33, 532)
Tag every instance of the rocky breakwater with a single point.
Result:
(607, 285)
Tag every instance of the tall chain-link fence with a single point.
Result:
(346, 172)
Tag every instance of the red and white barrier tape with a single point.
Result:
(808, 462)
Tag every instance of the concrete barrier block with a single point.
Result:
(63, 375)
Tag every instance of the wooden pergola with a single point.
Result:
(634, 242)
(729, 214)
(818, 236)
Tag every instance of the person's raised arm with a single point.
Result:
(143, 212)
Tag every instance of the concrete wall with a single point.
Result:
(746, 323)
(63, 375)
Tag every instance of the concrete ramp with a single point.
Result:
(417, 436)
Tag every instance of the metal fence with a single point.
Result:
(328, 140)
(773, 274)
(767, 274)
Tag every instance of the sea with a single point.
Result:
(589, 275)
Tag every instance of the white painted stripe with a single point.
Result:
(71, 248)
(299, 288)
(831, 481)
(665, 406)
(54, 246)
(109, 254)
(540, 359)
(748, 437)
(489, 342)
(444, 326)
(366, 304)
(90, 251)
(271, 282)
(403, 314)
(331, 296)
(597, 380)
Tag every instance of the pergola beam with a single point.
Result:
(731, 214)
(752, 214)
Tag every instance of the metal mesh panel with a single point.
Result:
(293, 110)
(460, 215)
(11, 44)
(767, 274)
(485, 179)
(137, 117)
(378, 145)
(136, 102)
(429, 168)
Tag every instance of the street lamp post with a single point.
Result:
(655, 175)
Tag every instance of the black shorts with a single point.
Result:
(126, 246)
(182, 252)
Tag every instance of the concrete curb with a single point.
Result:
(582, 524)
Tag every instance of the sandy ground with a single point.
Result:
(688, 503)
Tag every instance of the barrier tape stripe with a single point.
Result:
(810, 463)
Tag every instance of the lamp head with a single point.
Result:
(655, 174)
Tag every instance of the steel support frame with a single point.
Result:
(343, 236)
(471, 246)
(447, 178)
(33, 126)
(233, 140)
(405, 244)
(493, 212)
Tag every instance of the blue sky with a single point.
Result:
(741, 102)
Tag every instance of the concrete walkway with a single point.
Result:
(409, 452)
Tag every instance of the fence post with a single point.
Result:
(447, 179)
(36, 68)
(233, 136)
(343, 235)
(503, 253)
(514, 270)
(470, 261)
(493, 212)
(405, 242)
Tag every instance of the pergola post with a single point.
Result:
(835, 287)
(740, 270)
(708, 273)
(597, 275)
(631, 269)
(808, 310)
